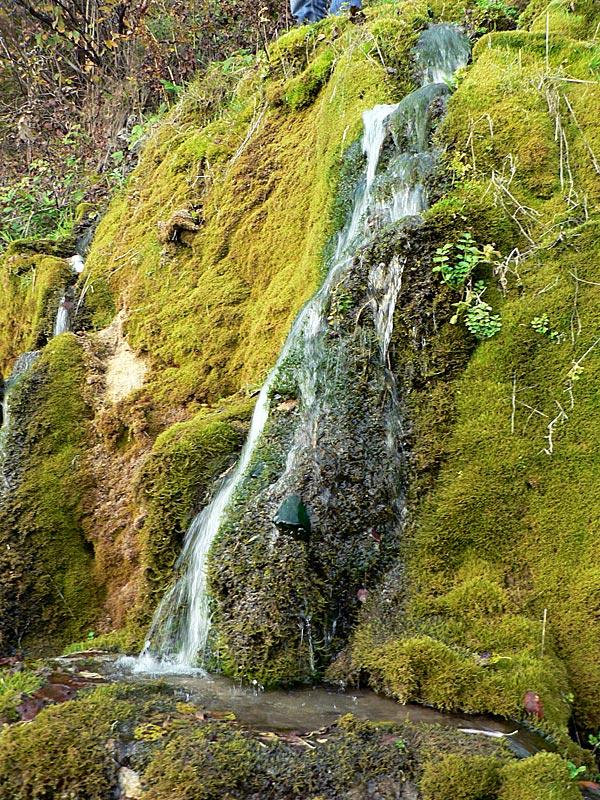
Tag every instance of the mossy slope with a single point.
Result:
(48, 587)
(505, 514)
(261, 174)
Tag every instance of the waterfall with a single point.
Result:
(62, 321)
(398, 160)
(21, 366)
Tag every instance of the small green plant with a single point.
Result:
(172, 90)
(482, 322)
(494, 15)
(541, 325)
(456, 261)
(341, 303)
(39, 204)
(594, 740)
(479, 316)
(574, 770)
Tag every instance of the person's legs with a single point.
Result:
(305, 11)
(340, 5)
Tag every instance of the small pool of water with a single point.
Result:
(302, 709)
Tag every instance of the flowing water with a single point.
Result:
(21, 366)
(62, 323)
(398, 159)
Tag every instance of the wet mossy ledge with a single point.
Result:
(145, 737)
(33, 277)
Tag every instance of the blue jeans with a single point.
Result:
(305, 11)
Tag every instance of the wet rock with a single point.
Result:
(130, 785)
(287, 406)
(292, 517)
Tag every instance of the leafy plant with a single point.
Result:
(456, 261)
(594, 740)
(173, 90)
(341, 302)
(493, 15)
(574, 770)
(481, 320)
(479, 316)
(541, 325)
(35, 206)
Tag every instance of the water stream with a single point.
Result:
(62, 324)
(398, 159)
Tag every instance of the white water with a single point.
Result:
(22, 365)
(77, 263)
(62, 321)
(179, 633)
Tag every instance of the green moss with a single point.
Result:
(32, 284)
(202, 766)
(545, 776)
(579, 19)
(301, 91)
(216, 760)
(457, 777)
(498, 531)
(48, 588)
(265, 180)
(177, 477)
(12, 686)
(59, 248)
(126, 640)
(449, 676)
(64, 751)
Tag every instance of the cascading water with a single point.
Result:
(332, 409)
(62, 321)
(62, 324)
(21, 366)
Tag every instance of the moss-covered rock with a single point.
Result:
(545, 776)
(48, 590)
(457, 777)
(64, 751)
(32, 284)
(177, 476)
(500, 452)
